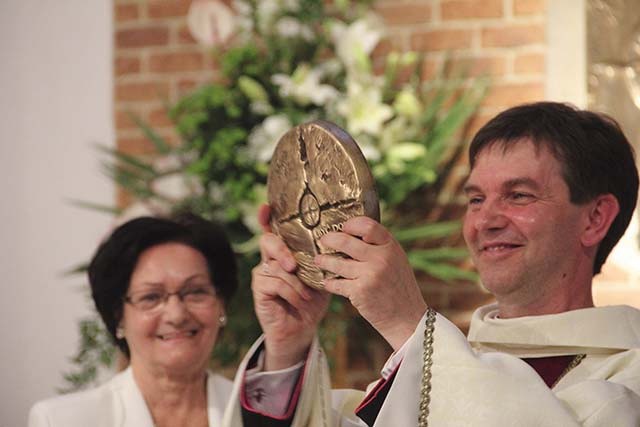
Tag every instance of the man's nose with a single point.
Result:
(491, 216)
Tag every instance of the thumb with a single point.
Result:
(264, 217)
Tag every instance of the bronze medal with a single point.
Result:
(318, 179)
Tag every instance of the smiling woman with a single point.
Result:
(160, 286)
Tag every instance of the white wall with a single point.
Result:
(55, 103)
(566, 73)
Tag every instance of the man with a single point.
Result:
(550, 192)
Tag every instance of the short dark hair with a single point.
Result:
(595, 155)
(112, 265)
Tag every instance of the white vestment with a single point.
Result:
(481, 381)
(118, 403)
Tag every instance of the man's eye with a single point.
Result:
(520, 196)
(474, 200)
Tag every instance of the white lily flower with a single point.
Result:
(407, 151)
(304, 86)
(177, 186)
(168, 163)
(355, 42)
(216, 193)
(368, 147)
(249, 210)
(407, 103)
(210, 22)
(290, 5)
(393, 131)
(263, 138)
(243, 20)
(266, 13)
(289, 27)
(363, 108)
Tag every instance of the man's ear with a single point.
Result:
(604, 209)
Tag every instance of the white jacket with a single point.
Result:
(117, 403)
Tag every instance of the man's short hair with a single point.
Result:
(595, 155)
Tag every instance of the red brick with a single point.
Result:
(386, 46)
(187, 85)
(476, 122)
(126, 12)
(441, 40)
(404, 14)
(141, 91)
(529, 63)
(481, 66)
(137, 145)
(470, 9)
(510, 94)
(529, 7)
(123, 198)
(512, 36)
(430, 68)
(185, 37)
(126, 65)
(168, 8)
(123, 121)
(142, 37)
(159, 118)
(176, 62)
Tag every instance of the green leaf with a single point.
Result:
(161, 146)
(77, 269)
(439, 254)
(427, 231)
(129, 160)
(96, 206)
(442, 271)
(129, 181)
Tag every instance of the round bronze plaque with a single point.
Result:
(318, 178)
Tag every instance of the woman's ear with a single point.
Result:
(604, 209)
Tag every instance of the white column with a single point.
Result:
(55, 105)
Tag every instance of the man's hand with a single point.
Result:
(288, 310)
(378, 280)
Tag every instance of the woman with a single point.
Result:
(160, 286)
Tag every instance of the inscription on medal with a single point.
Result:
(318, 179)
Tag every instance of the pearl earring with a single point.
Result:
(120, 333)
(223, 320)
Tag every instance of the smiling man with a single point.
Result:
(550, 192)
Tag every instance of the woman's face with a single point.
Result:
(175, 337)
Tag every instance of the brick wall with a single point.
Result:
(503, 39)
(156, 61)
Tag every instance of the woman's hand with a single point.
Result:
(288, 310)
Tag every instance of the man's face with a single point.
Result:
(520, 226)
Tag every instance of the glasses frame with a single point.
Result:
(181, 293)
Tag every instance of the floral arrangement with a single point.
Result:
(284, 62)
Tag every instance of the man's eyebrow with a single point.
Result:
(509, 184)
(521, 181)
(470, 188)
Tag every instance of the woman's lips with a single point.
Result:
(177, 334)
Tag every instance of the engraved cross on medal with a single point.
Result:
(318, 179)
